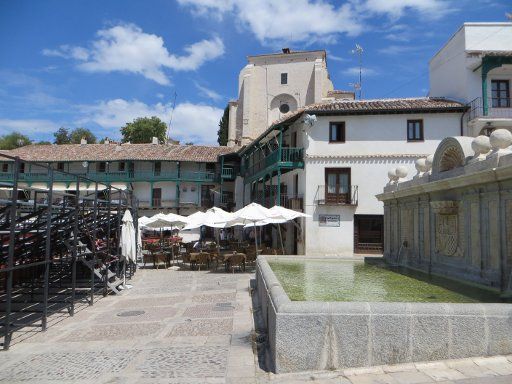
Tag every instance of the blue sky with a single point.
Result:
(100, 64)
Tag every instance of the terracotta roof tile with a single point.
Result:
(114, 152)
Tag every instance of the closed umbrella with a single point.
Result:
(128, 243)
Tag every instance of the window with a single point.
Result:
(284, 108)
(414, 130)
(22, 167)
(337, 185)
(5, 167)
(122, 166)
(500, 93)
(337, 132)
(284, 78)
(158, 168)
(60, 166)
(101, 167)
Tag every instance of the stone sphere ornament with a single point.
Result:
(500, 139)
(429, 161)
(481, 145)
(393, 178)
(401, 171)
(421, 165)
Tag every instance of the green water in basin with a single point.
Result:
(348, 280)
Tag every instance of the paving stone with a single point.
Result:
(198, 362)
(207, 311)
(68, 366)
(147, 314)
(498, 364)
(203, 328)
(469, 369)
(381, 378)
(214, 298)
(143, 302)
(411, 377)
(443, 374)
(113, 332)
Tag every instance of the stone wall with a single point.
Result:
(455, 216)
(336, 335)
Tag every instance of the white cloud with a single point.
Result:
(396, 8)
(190, 122)
(284, 20)
(306, 21)
(27, 126)
(127, 48)
(354, 71)
(208, 93)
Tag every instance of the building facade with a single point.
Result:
(164, 178)
(475, 67)
(272, 85)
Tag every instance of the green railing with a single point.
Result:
(228, 173)
(193, 176)
(288, 157)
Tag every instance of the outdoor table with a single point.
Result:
(228, 255)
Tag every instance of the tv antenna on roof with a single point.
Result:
(359, 52)
(167, 136)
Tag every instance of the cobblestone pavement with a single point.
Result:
(189, 327)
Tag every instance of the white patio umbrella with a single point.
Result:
(280, 215)
(128, 243)
(161, 220)
(254, 213)
(214, 217)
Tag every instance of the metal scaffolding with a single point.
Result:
(59, 247)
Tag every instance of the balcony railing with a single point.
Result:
(228, 173)
(295, 202)
(495, 108)
(334, 195)
(290, 157)
(116, 176)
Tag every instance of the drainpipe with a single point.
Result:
(462, 122)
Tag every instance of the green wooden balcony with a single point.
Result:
(107, 177)
(284, 158)
(228, 173)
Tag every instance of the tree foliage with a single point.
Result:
(222, 133)
(14, 140)
(77, 134)
(143, 129)
(62, 136)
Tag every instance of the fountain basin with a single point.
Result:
(324, 335)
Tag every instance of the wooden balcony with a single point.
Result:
(334, 195)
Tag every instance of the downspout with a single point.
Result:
(462, 122)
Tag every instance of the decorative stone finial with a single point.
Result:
(500, 141)
(401, 171)
(428, 162)
(421, 167)
(393, 178)
(481, 145)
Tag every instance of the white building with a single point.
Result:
(164, 178)
(475, 67)
(339, 163)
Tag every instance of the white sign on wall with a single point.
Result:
(329, 220)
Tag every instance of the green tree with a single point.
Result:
(143, 129)
(77, 134)
(222, 133)
(14, 140)
(62, 136)
(43, 142)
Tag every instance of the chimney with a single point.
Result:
(83, 141)
(286, 50)
(154, 140)
(107, 141)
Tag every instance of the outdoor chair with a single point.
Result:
(237, 260)
(203, 258)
